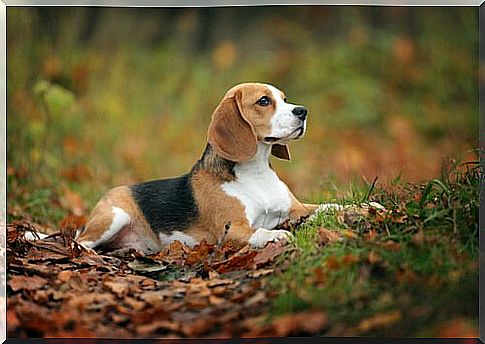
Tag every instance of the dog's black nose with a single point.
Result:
(300, 112)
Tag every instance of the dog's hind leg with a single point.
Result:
(116, 221)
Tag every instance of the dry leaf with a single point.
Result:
(379, 321)
(269, 253)
(73, 202)
(326, 236)
(26, 282)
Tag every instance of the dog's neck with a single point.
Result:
(216, 165)
(260, 162)
(225, 169)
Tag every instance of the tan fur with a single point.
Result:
(230, 133)
(102, 216)
(216, 209)
(259, 117)
(298, 209)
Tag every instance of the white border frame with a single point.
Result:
(175, 3)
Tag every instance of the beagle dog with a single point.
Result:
(232, 193)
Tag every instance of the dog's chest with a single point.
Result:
(265, 197)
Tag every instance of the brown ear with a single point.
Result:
(281, 151)
(230, 133)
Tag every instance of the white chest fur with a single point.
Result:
(265, 197)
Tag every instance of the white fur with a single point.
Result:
(284, 124)
(88, 244)
(265, 197)
(324, 207)
(30, 236)
(262, 236)
(176, 235)
(121, 219)
(377, 205)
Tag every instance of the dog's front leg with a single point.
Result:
(242, 232)
(300, 210)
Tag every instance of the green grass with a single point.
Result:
(128, 110)
(425, 273)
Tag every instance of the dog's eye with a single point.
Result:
(284, 99)
(264, 101)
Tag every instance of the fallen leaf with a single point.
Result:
(239, 262)
(260, 273)
(457, 328)
(373, 257)
(199, 253)
(17, 283)
(120, 289)
(304, 323)
(146, 265)
(218, 282)
(257, 298)
(157, 326)
(73, 202)
(197, 327)
(269, 253)
(326, 236)
(379, 321)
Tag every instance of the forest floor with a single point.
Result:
(408, 270)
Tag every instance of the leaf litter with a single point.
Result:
(56, 288)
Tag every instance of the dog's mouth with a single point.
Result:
(295, 134)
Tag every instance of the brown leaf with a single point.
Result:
(197, 303)
(332, 263)
(218, 282)
(349, 259)
(70, 224)
(260, 273)
(373, 257)
(174, 253)
(76, 173)
(26, 282)
(379, 321)
(216, 301)
(256, 299)
(199, 253)
(326, 236)
(391, 245)
(458, 327)
(73, 202)
(197, 327)
(146, 316)
(152, 297)
(305, 323)
(238, 262)
(158, 325)
(269, 253)
(119, 289)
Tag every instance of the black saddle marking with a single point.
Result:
(168, 204)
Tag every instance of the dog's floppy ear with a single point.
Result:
(281, 151)
(230, 133)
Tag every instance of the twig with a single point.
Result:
(219, 242)
(455, 227)
(371, 189)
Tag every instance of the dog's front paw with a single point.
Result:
(324, 207)
(362, 208)
(262, 236)
(376, 205)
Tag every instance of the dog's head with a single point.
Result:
(251, 113)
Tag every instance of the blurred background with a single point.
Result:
(98, 97)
